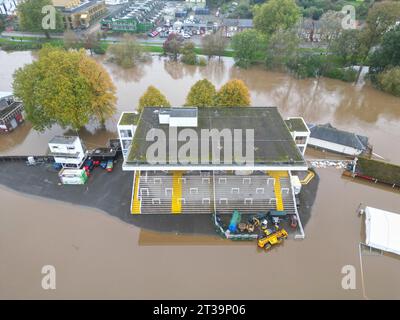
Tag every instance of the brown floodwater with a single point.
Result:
(360, 109)
(98, 256)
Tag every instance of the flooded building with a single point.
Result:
(80, 14)
(11, 112)
(210, 160)
(327, 137)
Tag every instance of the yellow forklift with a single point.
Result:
(272, 238)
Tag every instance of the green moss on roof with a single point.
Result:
(129, 118)
(296, 124)
(273, 141)
(383, 171)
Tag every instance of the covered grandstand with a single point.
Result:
(203, 186)
(206, 192)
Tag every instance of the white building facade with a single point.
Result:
(68, 151)
(127, 125)
(300, 132)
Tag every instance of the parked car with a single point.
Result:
(153, 34)
(88, 165)
(110, 166)
(103, 164)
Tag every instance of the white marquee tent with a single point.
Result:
(382, 230)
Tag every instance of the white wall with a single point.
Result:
(75, 161)
(72, 149)
(163, 118)
(183, 121)
(126, 141)
(75, 147)
(334, 147)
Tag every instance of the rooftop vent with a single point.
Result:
(178, 117)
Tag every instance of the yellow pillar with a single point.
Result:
(176, 205)
(277, 175)
(136, 201)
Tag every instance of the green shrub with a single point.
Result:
(306, 65)
(102, 49)
(309, 65)
(202, 61)
(389, 81)
(189, 58)
(348, 75)
(19, 46)
(189, 54)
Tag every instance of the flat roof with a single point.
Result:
(296, 124)
(63, 139)
(129, 118)
(273, 143)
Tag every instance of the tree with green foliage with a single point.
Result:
(276, 14)
(313, 13)
(306, 65)
(30, 16)
(249, 47)
(347, 46)
(201, 94)
(67, 88)
(188, 54)
(127, 53)
(283, 47)
(242, 11)
(381, 18)
(387, 55)
(330, 26)
(214, 44)
(315, 8)
(234, 93)
(152, 98)
(173, 45)
(389, 81)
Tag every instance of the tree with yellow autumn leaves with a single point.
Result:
(152, 98)
(67, 88)
(234, 93)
